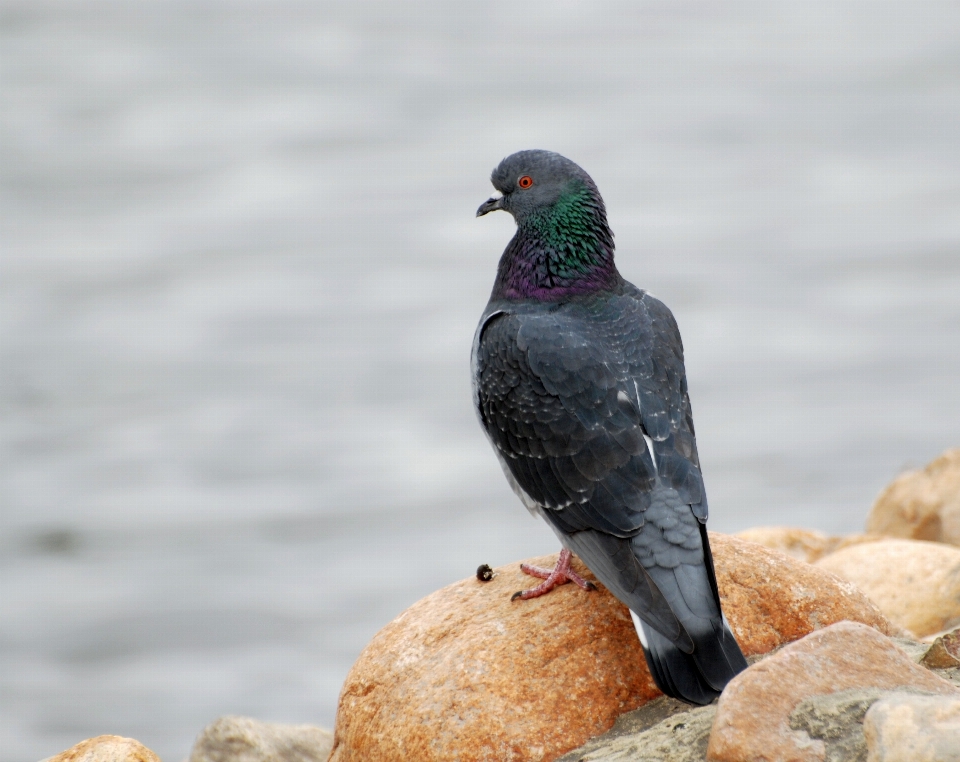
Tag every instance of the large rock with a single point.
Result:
(944, 653)
(836, 721)
(901, 727)
(755, 712)
(916, 584)
(804, 544)
(772, 599)
(922, 505)
(243, 739)
(107, 749)
(663, 729)
(468, 674)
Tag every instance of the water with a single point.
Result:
(240, 274)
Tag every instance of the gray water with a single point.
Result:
(240, 273)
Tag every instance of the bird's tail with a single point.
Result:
(697, 677)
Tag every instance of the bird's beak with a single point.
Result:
(491, 205)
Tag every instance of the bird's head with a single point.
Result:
(563, 245)
(535, 183)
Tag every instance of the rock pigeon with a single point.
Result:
(580, 386)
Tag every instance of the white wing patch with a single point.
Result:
(653, 455)
(639, 626)
(621, 397)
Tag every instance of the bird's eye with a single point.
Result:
(525, 182)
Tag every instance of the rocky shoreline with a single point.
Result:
(853, 645)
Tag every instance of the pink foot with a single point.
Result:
(558, 575)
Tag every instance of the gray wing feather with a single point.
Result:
(570, 398)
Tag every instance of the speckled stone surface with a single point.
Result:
(107, 749)
(772, 599)
(916, 584)
(804, 544)
(754, 713)
(902, 727)
(922, 505)
(468, 674)
(245, 739)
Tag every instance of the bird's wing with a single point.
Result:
(573, 400)
(598, 393)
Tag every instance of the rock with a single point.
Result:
(922, 505)
(468, 674)
(944, 653)
(772, 599)
(916, 584)
(107, 749)
(914, 649)
(803, 544)
(901, 727)
(836, 719)
(242, 739)
(754, 712)
(663, 729)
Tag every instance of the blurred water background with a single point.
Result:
(240, 274)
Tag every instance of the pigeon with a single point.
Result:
(579, 384)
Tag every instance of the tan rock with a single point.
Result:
(805, 544)
(680, 737)
(107, 749)
(944, 653)
(753, 713)
(836, 720)
(772, 599)
(243, 739)
(850, 540)
(922, 505)
(901, 727)
(916, 584)
(468, 674)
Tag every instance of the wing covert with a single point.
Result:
(572, 397)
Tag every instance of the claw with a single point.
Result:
(558, 575)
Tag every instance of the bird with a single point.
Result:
(580, 385)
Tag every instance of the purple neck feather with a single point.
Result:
(528, 271)
(559, 252)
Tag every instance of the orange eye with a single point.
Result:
(525, 182)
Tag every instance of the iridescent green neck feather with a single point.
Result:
(560, 250)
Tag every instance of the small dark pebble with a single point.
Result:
(484, 573)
